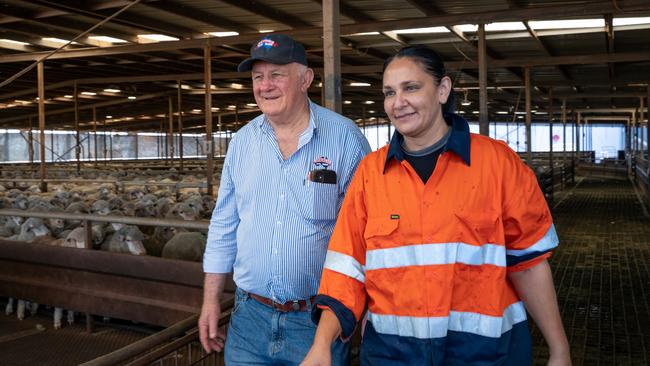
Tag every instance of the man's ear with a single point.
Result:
(307, 79)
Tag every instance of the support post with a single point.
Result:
(77, 149)
(170, 130)
(95, 133)
(207, 78)
(332, 55)
(30, 140)
(550, 145)
(180, 124)
(105, 144)
(484, 120)
(529, 118)
(563, 139)
(41, 122)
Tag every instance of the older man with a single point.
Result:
(283, 182)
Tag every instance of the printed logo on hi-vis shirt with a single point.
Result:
(322, 162)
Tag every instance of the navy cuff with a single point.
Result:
(344, 315)
(513, 260)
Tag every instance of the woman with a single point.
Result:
(443, 236)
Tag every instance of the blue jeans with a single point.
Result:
(261, 335)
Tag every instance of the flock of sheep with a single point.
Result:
(146, 200)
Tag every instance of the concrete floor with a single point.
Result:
(601, 274)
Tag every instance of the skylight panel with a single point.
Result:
(107, 39)
(505, 26)
(223, 34)
(11, 41)
(567, 24)
(631, 21)
(149, 38)
(422, 30)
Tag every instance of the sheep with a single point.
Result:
(100, 207)
(31, 228)
(127, 239)
(185, 246)
(161, 235)
(182, 211)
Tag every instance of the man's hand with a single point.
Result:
(212, 337)
(318, 356)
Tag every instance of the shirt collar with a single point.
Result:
(459, 140)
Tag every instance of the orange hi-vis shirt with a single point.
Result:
(428, 259)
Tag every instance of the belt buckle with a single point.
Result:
(295, 305)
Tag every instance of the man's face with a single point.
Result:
(280, 90)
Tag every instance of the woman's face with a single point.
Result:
(412, 100)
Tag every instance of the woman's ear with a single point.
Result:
(444, 89)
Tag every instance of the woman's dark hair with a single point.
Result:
(431, 62)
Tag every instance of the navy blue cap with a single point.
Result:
(277, 49)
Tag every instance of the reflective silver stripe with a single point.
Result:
(437, 327)
(549, 241)
(442, 253)
(346, 265)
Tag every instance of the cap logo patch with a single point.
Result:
(267, 43)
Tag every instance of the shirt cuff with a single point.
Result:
(529, 262)
(343, 314)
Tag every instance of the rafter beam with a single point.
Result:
(199, 15)
(269, 12)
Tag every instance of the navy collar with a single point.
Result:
(458, 140)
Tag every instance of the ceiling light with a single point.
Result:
(251, 105)
(347, 102)
(465, 103)
(502, 112)
(109, 116)
(214, 109)
(320, 85)
(148, 38)
(131, 97)
(266, 31)
(196, 111)
(566, 24)
(223, 34)
(371, 111)
(107, 39)
(11, 41)
(359, 84)
(461, 112)
(474, 112)
(236, 86)
(369, 102)
(422, 30)
(89, 93)
(232, 107)
(112, 90)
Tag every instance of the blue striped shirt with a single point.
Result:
(271, 225)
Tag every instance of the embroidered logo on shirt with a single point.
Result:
(394, 217)
(322, 162)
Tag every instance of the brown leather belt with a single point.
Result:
(295, 305)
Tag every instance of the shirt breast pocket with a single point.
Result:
(320, 201)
